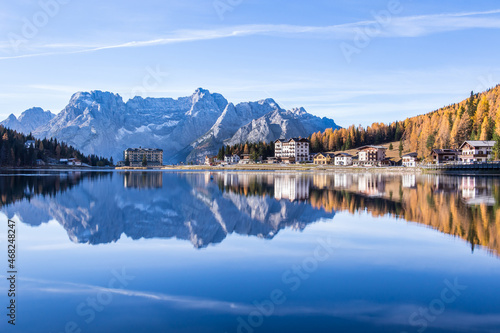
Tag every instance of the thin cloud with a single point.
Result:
(408, 26)
(396, 314)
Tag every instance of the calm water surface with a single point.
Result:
(252, 252)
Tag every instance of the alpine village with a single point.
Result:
(461, 134)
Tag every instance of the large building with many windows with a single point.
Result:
(292, 151)
(154, 157)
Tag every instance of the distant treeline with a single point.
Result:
(356, 136)
(255, 150)
(13, 152)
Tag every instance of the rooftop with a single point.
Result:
(479, 143)
(324, 155)
(445, 151)
(292, 139)
(144, 149)
(370, 146)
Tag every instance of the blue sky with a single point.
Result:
(355, 61)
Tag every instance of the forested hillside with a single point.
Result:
(476, 118)
(13, 152)
(255, 150)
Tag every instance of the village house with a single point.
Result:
(70, 161)
(440, 156)
(324, 158)
(371, 155)
(295, 150)
(245, 159)
(476, 151)
(211, 160)
(154, 157)
(232, 159)
(74, 162)
(410, 160)
(343, 159)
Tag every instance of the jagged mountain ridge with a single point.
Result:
(279, 124)
(28, 121)
(187, 128)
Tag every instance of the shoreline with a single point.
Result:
(295, 168)
(305, 168)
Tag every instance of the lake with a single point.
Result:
(251, 252)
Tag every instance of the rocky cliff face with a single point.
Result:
(187, 128)
(280, 124)
(232, 118)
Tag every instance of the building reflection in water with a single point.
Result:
(465, 207)
(291, 187)
(371, 184)
(409, 180)
(473, 190)
(142, 180)
(342, 180)
(477, 191)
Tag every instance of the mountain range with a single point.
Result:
(187, 128)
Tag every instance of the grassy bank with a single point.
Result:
(296, 168)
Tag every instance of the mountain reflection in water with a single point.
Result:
(204, 207)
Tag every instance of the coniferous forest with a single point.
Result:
(13, 152)
(255, 150)
(476, 118)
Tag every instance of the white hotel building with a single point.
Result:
(292, 151)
